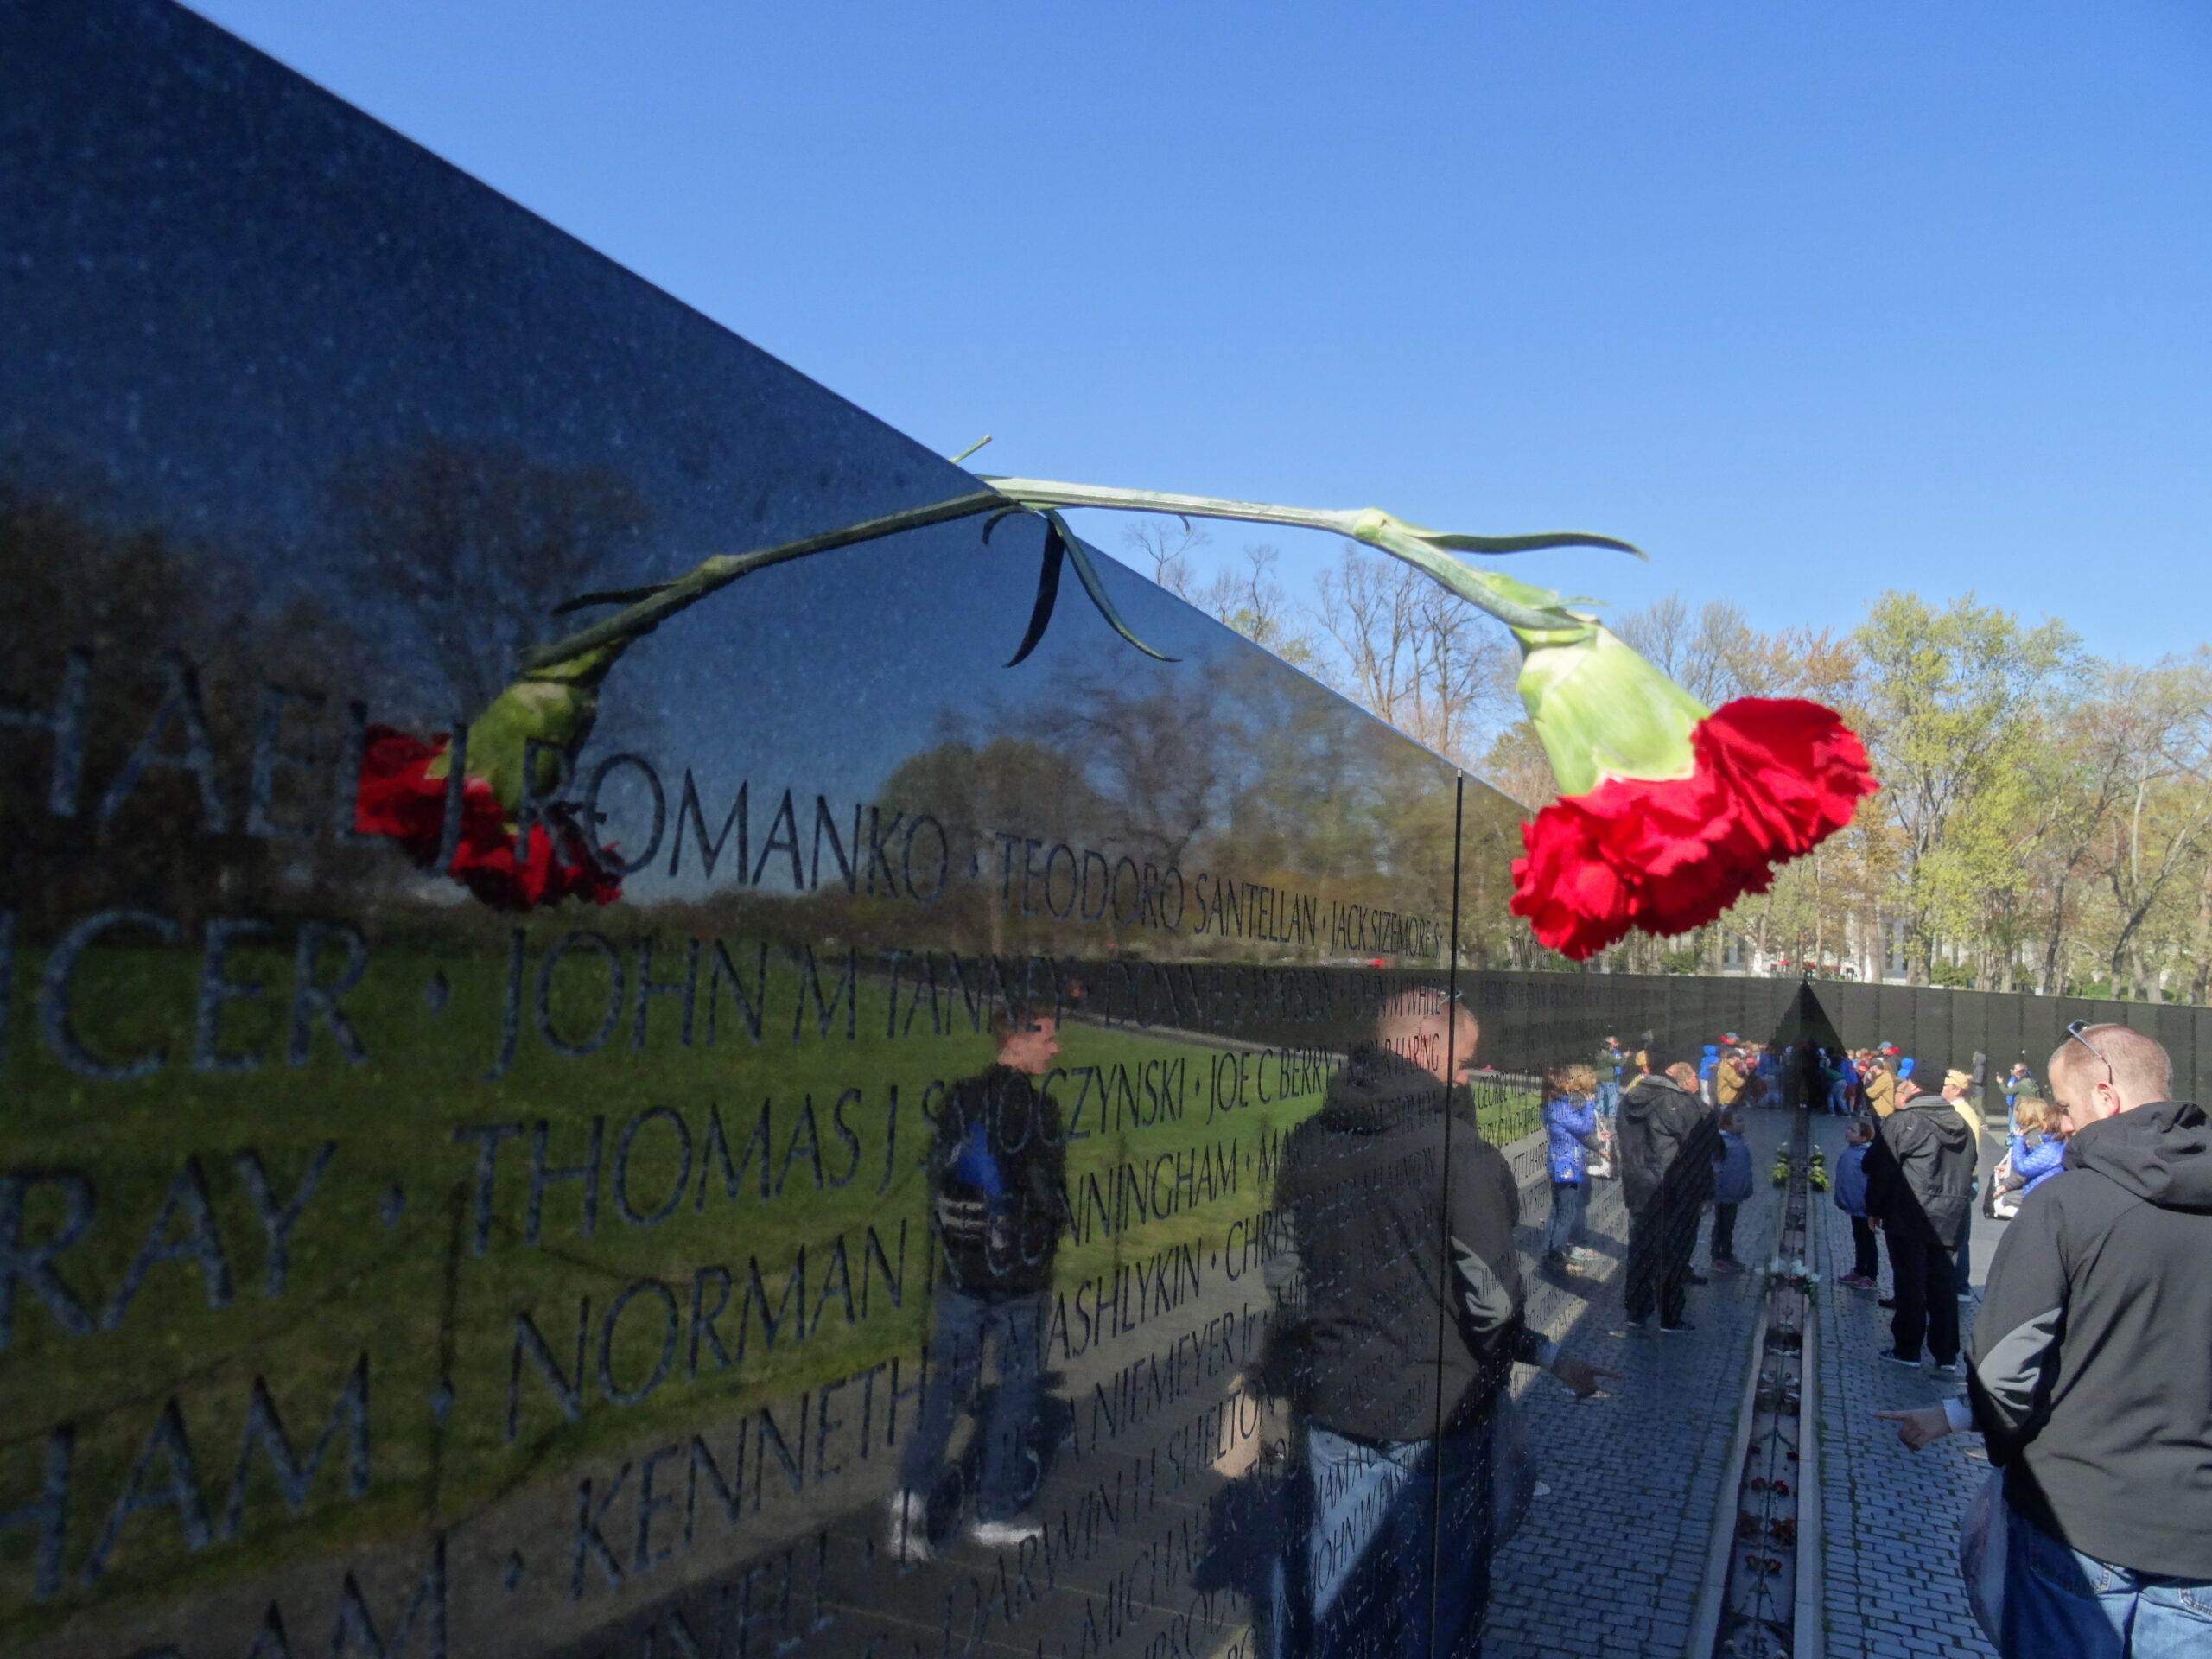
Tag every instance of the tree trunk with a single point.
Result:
(2201, 983)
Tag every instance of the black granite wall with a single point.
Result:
(501, 1203)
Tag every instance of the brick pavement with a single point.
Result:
(1889, 1517)
(1609, 1563)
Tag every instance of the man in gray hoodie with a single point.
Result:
(2091, 1371)
(1404, 1317)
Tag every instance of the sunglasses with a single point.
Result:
(2074, 1030)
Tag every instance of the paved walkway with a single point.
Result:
(1610, 1561)
(1889, 1517)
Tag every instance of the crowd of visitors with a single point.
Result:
(1401, 1312)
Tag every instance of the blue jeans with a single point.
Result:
(965, 1321)
(1382, 1515)
(1570, 1203)
(1609, 1096)
(2060, 1603)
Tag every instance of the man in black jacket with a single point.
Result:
(1920, 1195)
(1399, 1340)
(2091, 1371)
(998, 1176)
(1667, 1140)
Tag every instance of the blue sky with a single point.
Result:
(1808, 300)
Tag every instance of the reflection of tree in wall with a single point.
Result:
(1223, 766)
(1001, 785)
(1228, 764)
(1153, 742)
(468, 547)
(140, 607)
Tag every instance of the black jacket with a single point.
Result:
(1667, 1143)
(1372, 1185)
(1920, 1171)
(998, 1169)
(2092, 1352)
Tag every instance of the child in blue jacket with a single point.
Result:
(1570, 1129)
(1732, 1185)
(1850, 1199)
(2033, 1165)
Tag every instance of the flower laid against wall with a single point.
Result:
(1668, 811)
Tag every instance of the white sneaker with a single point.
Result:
(1005, 1535)
(909, 1536)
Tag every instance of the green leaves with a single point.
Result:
(1061, 542)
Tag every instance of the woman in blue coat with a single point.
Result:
(1570, 1129)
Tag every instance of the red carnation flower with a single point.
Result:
(400, 795)
(1771, 778)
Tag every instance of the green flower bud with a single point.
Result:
(1603, 712)
(554, 706)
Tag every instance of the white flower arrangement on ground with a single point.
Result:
(1792, 1272)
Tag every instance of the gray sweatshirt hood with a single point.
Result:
(2162, 1153)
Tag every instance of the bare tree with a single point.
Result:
(473, 544)
(1661, 631)
(1167, 545)
(1416, 657)
(1252, 603)
(1714, 654)
(1367, 608)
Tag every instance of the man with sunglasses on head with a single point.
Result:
(2090, 1370)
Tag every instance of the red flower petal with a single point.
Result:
(399, 798)
(1794, 771)
(1775, 777)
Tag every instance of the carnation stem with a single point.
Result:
(1536, 615)
(711, 575)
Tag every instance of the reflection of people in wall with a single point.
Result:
(997, 1175)
(1401, 1353)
